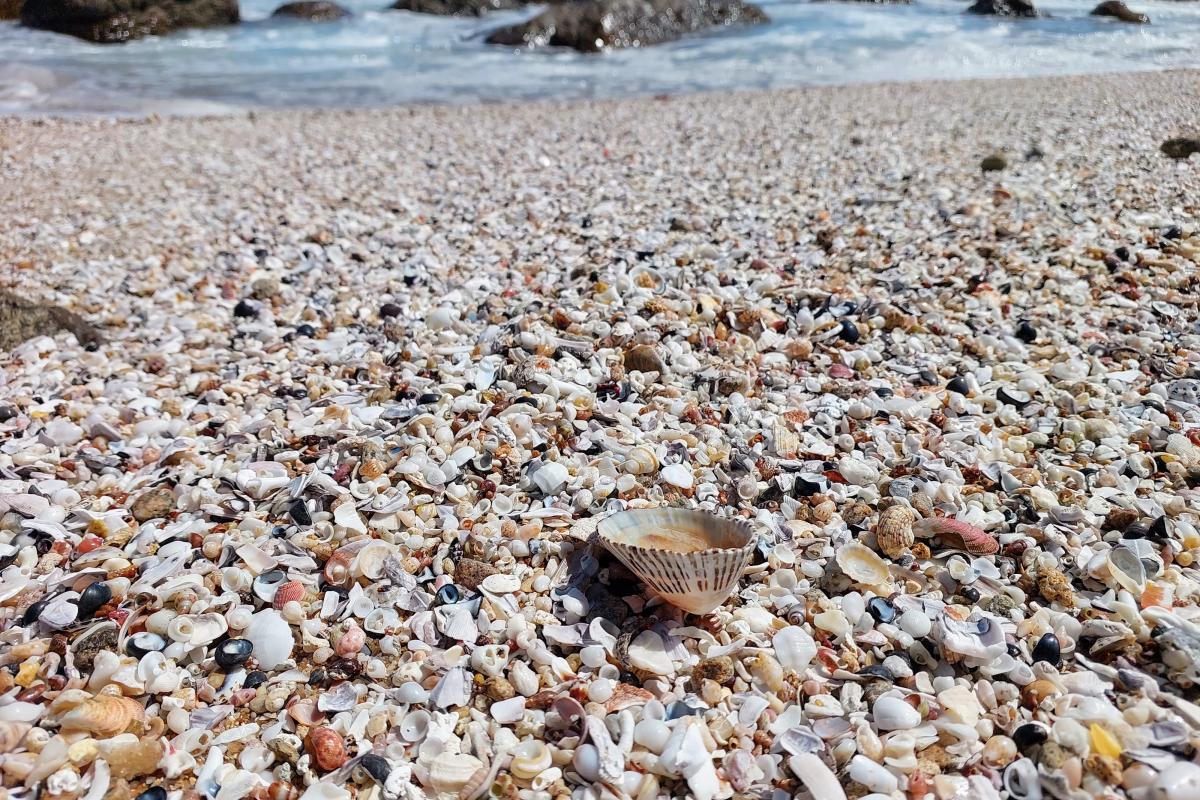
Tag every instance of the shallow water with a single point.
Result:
(390, 57)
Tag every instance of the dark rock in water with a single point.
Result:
(107, 21)
(11, 9)
(594, 25)
(1115, 8)
(1004, 8)
(1182, 146)
(873, 2)
(312, 11)
(458, 8)
(993, 163)
(21, 320)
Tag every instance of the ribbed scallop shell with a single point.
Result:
(287, 592)
(104, 716)
(691, 558)
(894, 532)
(959, 534)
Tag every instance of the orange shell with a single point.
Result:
(959, 534)
(287, 592)
(326, 747)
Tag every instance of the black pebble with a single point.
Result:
(377, 767)
(92, 598)
(849, 331)
(971, 593)
(1026, 332)
(958, 384)
(299, 513)
(153, 793)
(245, 308)
(427, 398)
(1047, 649)
(344, 669)
(881, 609)
(1122, 253)
(1173, 232)
(317, 677)
(883, 391)
(233, 653)
(878, 671)
(388, 310)
(1029, 735)
(254, 680)
(305, 329)
(448, 594)
(34, 612)
(7, 413)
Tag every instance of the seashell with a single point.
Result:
(326, 747)
(286, 593)
(450, 772)
(506, 712)
(11, 735)
(863, 565)
(370, 560)
(381, 620)
(197, 630)
(1021, 780)
(414, 726)
(305, 712)
(691, 558)
(958, 534)
(979, 636)
(500, 584)
(894, 714)
(894, 532)
(648, 652)
(265, 585)
(640, 460)
(490, 659)
(341, 697)
(530, 758)
(61, 611)
(794, 648)
(337, 566)
(272, 638)
(816, 776)
(104, 716)
(351, 642)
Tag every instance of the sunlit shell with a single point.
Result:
(863, 565)
(450, 772)
(326, 747)
(529, 759)
(894, 532)
(104, 716)
(691, 558)
(959, 534)
(370, 560)
(640, 460)
(287, 592)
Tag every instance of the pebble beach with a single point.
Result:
(833, 443)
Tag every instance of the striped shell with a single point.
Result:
(959, 534)
(894, 532)
(287, 592)
(104, 716)
(691, 558)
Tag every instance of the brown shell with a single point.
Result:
(959, 534)
(105, 716)
(326, 748)
(894, 531)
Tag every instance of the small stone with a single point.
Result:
(1119, 519)
(245, 308)
(1118, 10)
(469, 573)
(1181, 146)
(153, 504)
(644, 358)
(498, 688)
(1047, 649)
(993, 163)
(719, 669)
(265, 288)
(312, 11)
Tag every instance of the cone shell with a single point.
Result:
(105, 716)
(691, 558)
(959, 534)
(287, 592)
(894, 532)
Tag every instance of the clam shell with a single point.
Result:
(691, 558)
(959, 534)
(369, 561)
(894, 532)
(450, 772)
(863, 565)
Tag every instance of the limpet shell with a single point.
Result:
(691, 558)
(863, 565)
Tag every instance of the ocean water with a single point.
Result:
(382, 57)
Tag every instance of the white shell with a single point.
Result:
(450, 772)
(648, 651)
(530, 758)
(490, 659)
(272, 638)
(816, 777)
(369, 561)
(863, 565)
(381, 619)
(894, 714)
(691, 558)
(501, 583)
(414, 726)
(508, 711)
(453, 690)
(794, 648)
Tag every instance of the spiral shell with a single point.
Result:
(641, 460)
(287, 592)
(959, 534)
(894, 532)
(352, 641)
(105, 716)
(529, 759)
(337, 568)
(326, 747)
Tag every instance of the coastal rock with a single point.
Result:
(993, 163)
(457, 8)
(21, 320)
(1004, 8)
(108, 21)
(10, 9)
(1182, 146)
(594, 25)
(1117, 9)
(312, 11)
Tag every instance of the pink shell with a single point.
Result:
(352, 641)
(287, 592)
(960, 534)
(305, 712)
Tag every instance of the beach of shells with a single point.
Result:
(832, 443)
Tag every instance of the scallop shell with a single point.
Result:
(894, 532)
(959, 534)
(691, 558)
(287, 592)
(863, 565)
(104, 716)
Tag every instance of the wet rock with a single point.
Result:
(1118, 10)
(458, 8)
(312, 11)
(1004, 8)
(153, 504)
(993, 163)
(22, 319)
(10, 9)
(1182, 146)
(469, 573)
(595, 25)
(108, 21)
